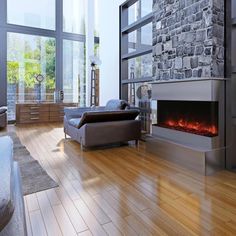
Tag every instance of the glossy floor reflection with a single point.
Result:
(122, 191)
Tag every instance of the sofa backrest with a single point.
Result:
(106, 116)
(116, 104)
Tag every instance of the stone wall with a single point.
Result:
(188, 39)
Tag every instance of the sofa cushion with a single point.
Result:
(3, 110)
(104, 116)
(75, 122)
(116, 104)
(6, 188)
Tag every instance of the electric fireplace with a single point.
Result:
(197, 117)
(189, 123)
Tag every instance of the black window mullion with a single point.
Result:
(59, 45)
(3, 54)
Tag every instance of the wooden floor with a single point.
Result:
(122, 191)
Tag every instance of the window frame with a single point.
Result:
(58, 34)
(125, 81)
(125, 55)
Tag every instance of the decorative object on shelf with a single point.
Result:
(58, 96)
(40, 79)
(61, 95)
(144, 94)
(95, 61)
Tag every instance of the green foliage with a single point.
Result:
(51, 63)
(44, 52)
(12, 72)
(31, 70)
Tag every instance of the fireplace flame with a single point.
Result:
(192, 127)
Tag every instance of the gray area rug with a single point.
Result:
(34, 177)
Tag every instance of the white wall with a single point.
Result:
(108, 25)
(90, 25)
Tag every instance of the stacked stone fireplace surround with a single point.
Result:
(188, 39)
(188, 51)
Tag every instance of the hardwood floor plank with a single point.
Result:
(89, 218)
(64, 221)
(27, 218)
(67, 186)
(32, 202)
(196, 228)
(91, 204)
(71, 210)
(38, 227)
(111, 229)
(49, 218)
(52, 196)
(121, 208)
(117, 220)
(153, 228)
(139, 227)
(167, 223)
(85, 233)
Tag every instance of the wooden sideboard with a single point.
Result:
(41, 112)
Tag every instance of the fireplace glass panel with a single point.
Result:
(197, 117)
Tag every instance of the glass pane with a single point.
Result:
(74, 16)
(96, 18)
(146, 7)
(140, 38)
(27, 57)
(140, 67)
(74, 79)
(133, 13)
(138, 10)
(96, 49)
(40, 14)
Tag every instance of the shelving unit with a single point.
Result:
(133, 50)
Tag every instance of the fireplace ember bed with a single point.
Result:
(197, 117)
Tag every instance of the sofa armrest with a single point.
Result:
(6, 186)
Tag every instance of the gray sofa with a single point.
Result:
(97, 126)
(3, 117)
(12, 212)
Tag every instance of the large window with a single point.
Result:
(27, 57)
(74, 83)
(136, 56)
(39, 14)
(43, 38)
